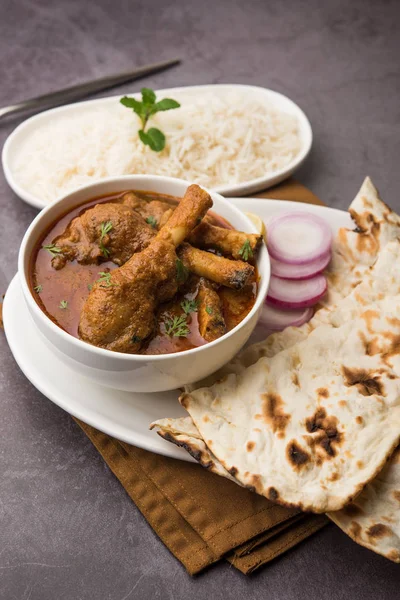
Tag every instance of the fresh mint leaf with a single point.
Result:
(153, 138)
(166, 104)
(132, 103)
(148, 96)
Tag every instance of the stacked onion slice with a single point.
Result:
(299, 244)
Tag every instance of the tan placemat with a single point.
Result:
(199, 516)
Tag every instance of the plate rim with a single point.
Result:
(237, 190)
(170, 450)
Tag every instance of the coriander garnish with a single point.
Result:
(245, 251)
(145, 109)
(152, 221)
(182, 272)
(177, 327)
(189, 306)
(105, 279)
(53, 249)
(90, 286)
(63, 304)
(105, 228)
(38, 288)
(209, 310)
(136, 339)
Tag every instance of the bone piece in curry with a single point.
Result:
(228, 242)
(119, 314)
(209, 312)
(231, 273)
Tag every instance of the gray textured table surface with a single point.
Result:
(67, 529)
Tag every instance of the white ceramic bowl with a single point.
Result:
(278, 101)
(133, 372)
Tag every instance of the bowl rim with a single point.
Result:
(103, 352)
(262, 182)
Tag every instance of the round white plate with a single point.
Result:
(125, 416)
(18, 136)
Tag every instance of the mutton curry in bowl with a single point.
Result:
(144, 283)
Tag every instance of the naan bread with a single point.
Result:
(312, 425)
(354, 251)
(371, 520)
(377, 225)
(183, 433)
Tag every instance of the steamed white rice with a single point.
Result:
(214, 139)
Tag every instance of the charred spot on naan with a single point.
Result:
(233, 471)
(196, 453)
(394, 346)
(379, 530)
(396, 495)
(394, 555)
(323, 392)
(184, 400)
(272, 494)
(297, 456)
(273, 413)
(325, 433)
(367, 382)
(359, 420)
(295, 379)
(369, 316)
(371, 347)
(256, 484)
(355, 530)
(368, 230)
(250, 446)
(352, 510)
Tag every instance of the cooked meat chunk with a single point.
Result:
(156, 212)
(231, 273)
(209, 312)
(226, 241)
(109, 231)
(120, 314)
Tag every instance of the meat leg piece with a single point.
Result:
(108, 231)
(119, 313)
(231, 273)
(209, 313)
(227, 241)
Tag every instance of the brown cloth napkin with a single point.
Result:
(199, 516)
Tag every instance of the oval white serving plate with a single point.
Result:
(124, 415)
(274, 99)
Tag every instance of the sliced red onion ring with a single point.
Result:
(276, 319)
(288, 271)
(296, 294)
(298, 237)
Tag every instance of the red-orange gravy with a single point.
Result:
(62, 293)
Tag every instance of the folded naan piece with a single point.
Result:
(373, 518)
(310, 426)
